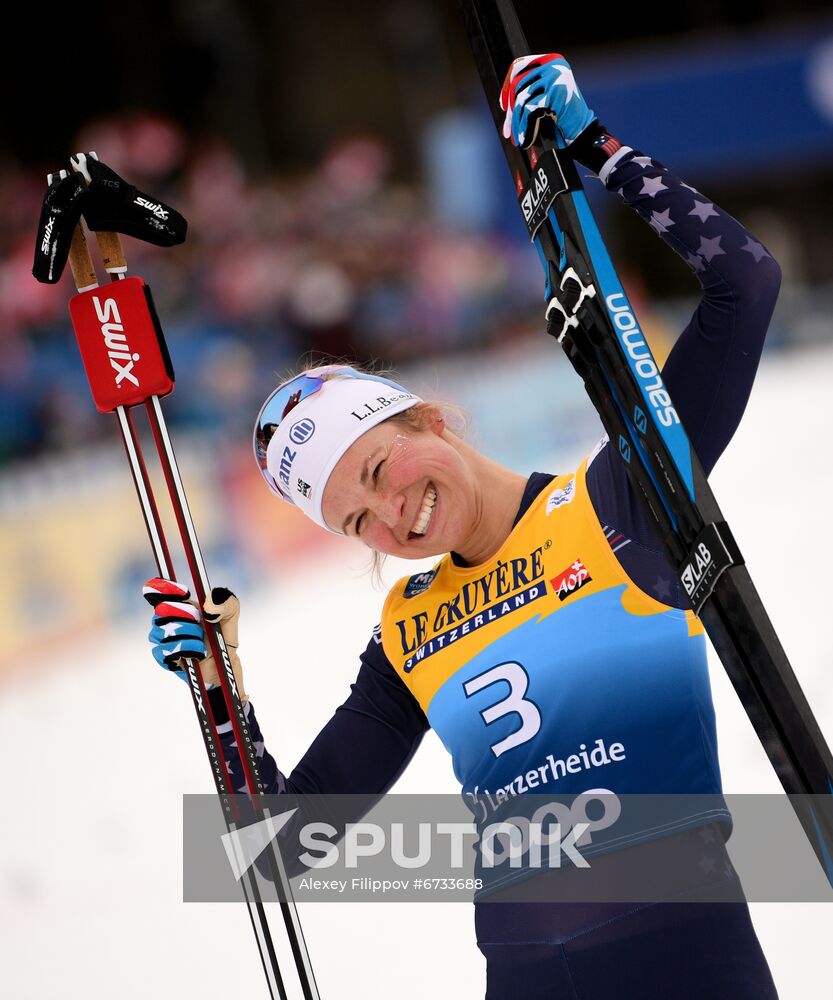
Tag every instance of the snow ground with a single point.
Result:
(102, 745)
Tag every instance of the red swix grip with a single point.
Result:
(121, 344)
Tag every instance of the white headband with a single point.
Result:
(315, 434)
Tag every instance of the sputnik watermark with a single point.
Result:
(603, 847)
(243, 847)
(519, 841)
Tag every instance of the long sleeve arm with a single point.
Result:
(712, 366)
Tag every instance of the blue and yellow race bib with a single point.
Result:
(547, 670)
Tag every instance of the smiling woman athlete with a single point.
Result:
(548, 664)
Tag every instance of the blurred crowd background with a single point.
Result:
(346, 194)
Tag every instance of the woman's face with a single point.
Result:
(405, 492)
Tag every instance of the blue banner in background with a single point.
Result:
(741, 105)
(721, 104)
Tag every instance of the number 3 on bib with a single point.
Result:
(517, 678)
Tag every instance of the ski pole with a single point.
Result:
(122, 362)
(85, 278)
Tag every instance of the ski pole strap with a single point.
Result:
(713, 552)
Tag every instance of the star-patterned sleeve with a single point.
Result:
(363, 748)
(712, 366)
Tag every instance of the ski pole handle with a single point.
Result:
(112, 254)
(80, 261)
(109, 243)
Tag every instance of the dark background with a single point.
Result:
(312, 147)
(277, 79)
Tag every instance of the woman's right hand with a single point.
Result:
(176, 633)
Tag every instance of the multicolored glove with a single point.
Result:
(536, 86)
(177, 632)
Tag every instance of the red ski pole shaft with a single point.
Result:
(116, 265)
(85, 277)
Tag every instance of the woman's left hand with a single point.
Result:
(177, 632)
(542, 85)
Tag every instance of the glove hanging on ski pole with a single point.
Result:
(66, 196)
(108, 204)
(115, 206)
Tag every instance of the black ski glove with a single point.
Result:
(118, 207)
(65, 199)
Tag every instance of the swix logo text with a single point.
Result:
(696, 568)
(538, 186)
(232, 681)
(151, 206)
(195, 687)
(47, 236)
(573, 578)
(644, 364)
(115, 340)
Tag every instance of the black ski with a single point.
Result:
(587, 313)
